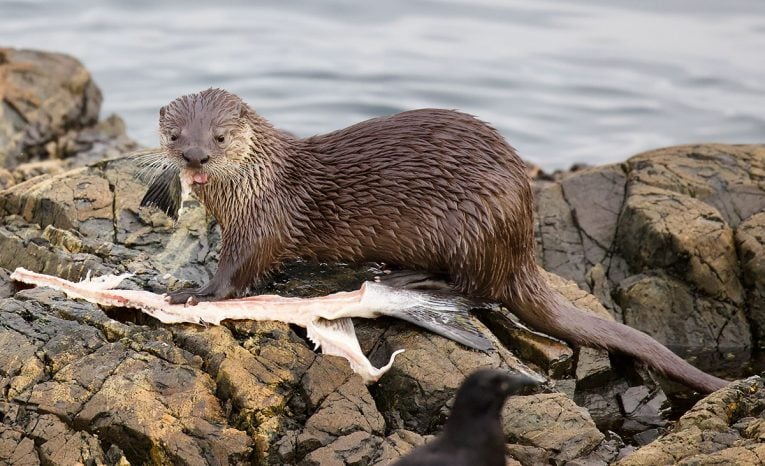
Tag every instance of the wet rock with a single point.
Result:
(43, 95)
(578, 220)
(551, 422)
(100, 206)
(61, 445)
(560, 243)
(254, 373)
(37, 254)
(106, 139)
(565, 386)
(643, 409)
(750, 241)
(724, 428)
(602, 402)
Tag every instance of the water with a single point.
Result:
(565, 82)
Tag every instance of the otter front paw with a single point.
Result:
(188, 296)
(191, 296)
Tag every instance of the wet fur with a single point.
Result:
(429, 189)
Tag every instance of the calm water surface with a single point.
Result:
(589, 81)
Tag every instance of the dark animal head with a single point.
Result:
(485, 390)
(206, 134)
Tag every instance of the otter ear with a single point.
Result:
(162, 111)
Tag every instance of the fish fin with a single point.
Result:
(446, 314)
(165, 193)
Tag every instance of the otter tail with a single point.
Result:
(554, 315)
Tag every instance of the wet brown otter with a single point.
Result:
(429, 189)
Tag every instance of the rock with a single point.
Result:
(608, 451)
(6, 179)
(16, 448)
(117, 390)
(729, 178)
(578, 220)
(356, 449)
(551, 355)
(347, 409)
(750, 242)
(98, 205)
(551, 422)
(429, 372)
(668, 310)
(668, 230)
(668, 234)
(255, 376)
(61, 445)
(724, 428)
(397, 444)
(593, 367)
(643, 408)
(43, 96)
(560, 242)
(602, 402)
(525, 454)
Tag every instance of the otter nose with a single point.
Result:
(195, 157)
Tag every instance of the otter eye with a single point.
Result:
(173, 137)
(220, 138)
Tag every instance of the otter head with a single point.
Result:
(205, 134)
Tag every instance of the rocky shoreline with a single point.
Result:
(671, 242)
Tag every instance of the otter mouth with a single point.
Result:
(199, 178)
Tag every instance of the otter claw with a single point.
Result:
(185, 297)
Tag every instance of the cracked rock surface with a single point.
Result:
(670, 241)
(727, 427)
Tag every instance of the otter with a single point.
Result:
(432, 190)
